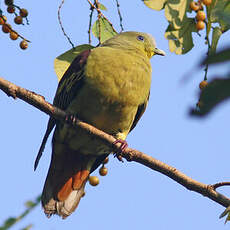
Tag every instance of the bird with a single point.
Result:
(108, 87)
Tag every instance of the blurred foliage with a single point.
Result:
(9, 222)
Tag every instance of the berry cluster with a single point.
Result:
(94, 180)
(7, 28)
(200, 14)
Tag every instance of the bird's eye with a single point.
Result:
(140, 38)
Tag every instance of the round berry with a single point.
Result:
(106, 160)
(203, 84)
(10, 9)
(9, 2)
(18, 20)
(103, 171)
(200, 16)
(23, 44)
(13, 35)
(23, 13)
(93, 180)
(207, 2)
(194, 6)
(200, 25)
(6, 28)
(2, 19)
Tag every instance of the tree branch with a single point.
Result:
(129, 154)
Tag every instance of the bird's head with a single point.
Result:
(137, 40)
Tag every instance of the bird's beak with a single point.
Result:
(158, 52)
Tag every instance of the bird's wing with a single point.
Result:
(68, 87)
(140, 111)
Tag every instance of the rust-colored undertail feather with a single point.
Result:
(65, 181)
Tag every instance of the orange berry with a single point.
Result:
(200, 16)
(103, 171)
(194, 6)
(2, 19)
(200, 25)
(13, 35)
(23, 13)
(10, 9)
(23, 44)
(18, 20)
(93, 180)
(6, 28)
(106, 160)
(207, 2)
(203, 84)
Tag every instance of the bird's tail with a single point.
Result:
(65, 182)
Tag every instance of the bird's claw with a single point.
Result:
(71, 118)
(123, 146)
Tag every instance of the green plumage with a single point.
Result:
(107, 87)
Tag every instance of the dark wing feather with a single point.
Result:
(140, 111)
(68, 87)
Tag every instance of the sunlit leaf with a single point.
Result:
(180, 40)
(62, 62)
(101, 6)
(103, 30)
(215, 93)
(155, 4)
(175, 12)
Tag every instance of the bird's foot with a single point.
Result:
(123, 146)
(70, 118)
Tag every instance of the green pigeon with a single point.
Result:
(107, 87)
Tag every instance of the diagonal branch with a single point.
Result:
(129, 154)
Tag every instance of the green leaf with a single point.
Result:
(214, 93)
(30, 204)
(62, 62)
(175, 12)
(8, 223)
(102, 7)
(28, 227)
(103, 30)
(155, 4)
(180, 40)
(221, 56)
(226, 212)
(216, 33)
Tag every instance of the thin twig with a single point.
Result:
(90, 23)
(217, 185)
(96, 4)
(11, 30)
(208, 52)
(129, 154)
(101, 14)
(62, 28)
(119, 14)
